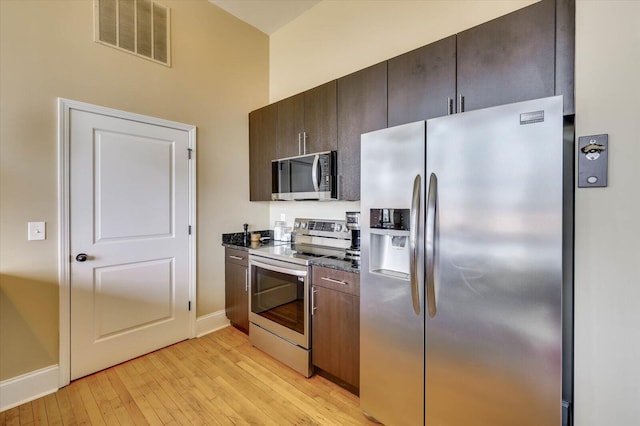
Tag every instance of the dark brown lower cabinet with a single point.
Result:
(335, 348)
(236, 288)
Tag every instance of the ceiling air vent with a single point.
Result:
(140, 27)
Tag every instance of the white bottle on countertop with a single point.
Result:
(278, 230)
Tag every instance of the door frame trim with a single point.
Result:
(65, 106)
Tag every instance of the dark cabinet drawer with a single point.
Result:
(346, 282)
(236, 256)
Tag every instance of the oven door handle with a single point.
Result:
(280, 269)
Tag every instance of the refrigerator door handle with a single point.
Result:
(413, 244)
(430, 243)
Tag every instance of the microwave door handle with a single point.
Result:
(314, 173)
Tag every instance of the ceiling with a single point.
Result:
(266, 15)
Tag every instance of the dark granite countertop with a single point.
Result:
(236, 241)
(339, 264)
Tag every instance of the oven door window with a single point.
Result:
(278, 297)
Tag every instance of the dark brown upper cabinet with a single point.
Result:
(508, 59)
(422, 83)
(362, 108)
(321, 118)
(307, 122)
(290, 126)
(262, 149)
(526, 54)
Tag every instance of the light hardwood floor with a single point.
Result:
(217, 379)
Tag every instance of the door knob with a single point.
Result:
(82, 257)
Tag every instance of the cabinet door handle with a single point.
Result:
(313, 300)
(449, 106)
(246, 280)
(236, 257)
(304, 143)
(331, 280)
(299, 143)
(460, 103)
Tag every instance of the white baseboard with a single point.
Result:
(212, 322)
(27, 387)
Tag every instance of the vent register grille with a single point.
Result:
(140, 27)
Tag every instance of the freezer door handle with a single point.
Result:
(430, 242)
(413, 244)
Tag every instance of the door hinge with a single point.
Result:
(189, 304)
(189, 229)
(189, 151)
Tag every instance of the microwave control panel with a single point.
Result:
(325, 173)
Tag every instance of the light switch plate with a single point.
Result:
(37, 231)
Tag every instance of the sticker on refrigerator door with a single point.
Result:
(532, 117)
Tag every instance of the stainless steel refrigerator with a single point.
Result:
(464, 253)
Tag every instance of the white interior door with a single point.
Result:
(129, 214)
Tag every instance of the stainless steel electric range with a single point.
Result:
(279, 298)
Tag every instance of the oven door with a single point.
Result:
(279, 298)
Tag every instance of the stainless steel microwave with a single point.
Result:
(305, 177)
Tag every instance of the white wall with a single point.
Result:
(338, 37)
(219, 73)
(607, 277)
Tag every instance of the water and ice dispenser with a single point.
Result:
(389, 253)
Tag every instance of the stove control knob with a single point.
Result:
(303, 225)
(338, 227)
(296, 225)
